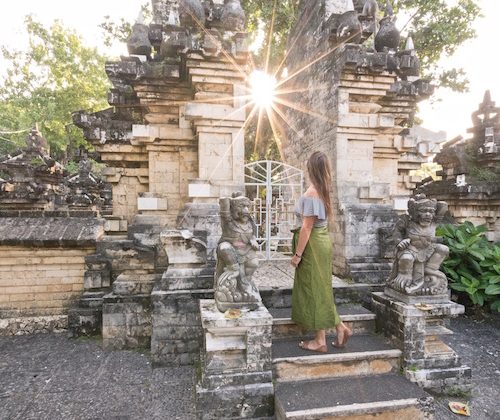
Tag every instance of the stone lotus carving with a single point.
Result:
(236, 256)
(418, 251)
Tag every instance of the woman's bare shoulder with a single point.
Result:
(311, 192)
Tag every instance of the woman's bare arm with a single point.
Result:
(304, 234)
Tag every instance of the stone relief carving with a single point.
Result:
(236, 256)
(419, 253)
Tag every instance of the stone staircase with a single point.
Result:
(362, 381)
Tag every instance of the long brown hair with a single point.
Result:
(320, 173)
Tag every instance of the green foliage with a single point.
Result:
(96, 167)
(438, 28)
(485, 174)
(260, 18)
(54, 77)
(473, 266)
(120, 31)
(72, 167)
(459, 393)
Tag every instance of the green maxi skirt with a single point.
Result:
(313, 306)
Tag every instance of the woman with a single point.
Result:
(312, 297)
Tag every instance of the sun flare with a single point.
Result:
(263, 88)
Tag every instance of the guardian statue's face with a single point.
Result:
(425, 215)
(240, 209)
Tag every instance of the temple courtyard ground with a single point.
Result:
(48, 376)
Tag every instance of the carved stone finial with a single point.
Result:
(236, 257)
(388, 35)
(409, 44)
(419, 253)
(139, 43)
(487, 97)
(140, 18)
(173, 16)
(388, 11)
(233, 16)
(160, 11)
(487, 114)
(84, 168)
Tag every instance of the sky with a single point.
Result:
(445, 111)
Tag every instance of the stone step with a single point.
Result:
(364, 355)
(356, 317)
(344, 292)
(437, 330)
(388, 396)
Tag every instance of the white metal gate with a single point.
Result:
(274, 188)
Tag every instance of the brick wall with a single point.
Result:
(39, 282)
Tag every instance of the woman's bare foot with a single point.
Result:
(312, 345)
(343, 334)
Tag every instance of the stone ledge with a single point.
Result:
(33, 325)
(50, 231)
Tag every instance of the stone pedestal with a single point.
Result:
(427, 361)
(236, 371)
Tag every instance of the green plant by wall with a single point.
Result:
(473, 266)
(485, 174)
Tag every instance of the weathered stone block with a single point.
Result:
(126, 321)
(235, 402)
(426, 359)
(176, 327)
(236, 364)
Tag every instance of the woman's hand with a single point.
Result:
(296, 260)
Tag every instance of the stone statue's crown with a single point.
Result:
(420, 201)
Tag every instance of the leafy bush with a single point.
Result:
(473, 266)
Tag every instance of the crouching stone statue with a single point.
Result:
(236, 256)
(419, 253)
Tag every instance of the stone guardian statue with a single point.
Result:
(419, 253)
(236, 256)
